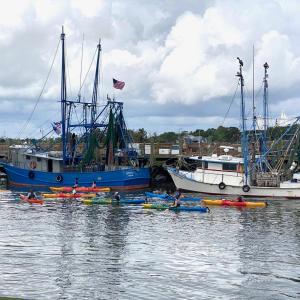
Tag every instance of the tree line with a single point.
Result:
(211, 135)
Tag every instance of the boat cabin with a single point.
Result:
(26, 157)
(225, 163)
(216, 169)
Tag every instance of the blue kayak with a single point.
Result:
(112, 201)
(162, 206)
(168, 197)
(161, 196)
(190, 208)
(131, 201)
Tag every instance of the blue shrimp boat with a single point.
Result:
(97, 148)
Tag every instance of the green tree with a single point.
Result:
(168, 137)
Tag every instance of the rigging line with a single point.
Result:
(227, 112)
(68, 72)
(233, 97)
(101, 80)
(280, 162)
(81, 62)
(259, 91)
(80, 88)
(40, 95)
(45, 122)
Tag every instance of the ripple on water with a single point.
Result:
(65, 250)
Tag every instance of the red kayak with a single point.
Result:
(234, 203)
(31, 201)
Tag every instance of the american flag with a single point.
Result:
(118, 84)
(57, 127)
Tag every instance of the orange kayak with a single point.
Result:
(68, 189)
(68, 195)
(31, 201)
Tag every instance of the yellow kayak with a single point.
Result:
(234, 203)
(97, 201)
(68, 195)
(68, 189)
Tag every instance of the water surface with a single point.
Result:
(67, 250)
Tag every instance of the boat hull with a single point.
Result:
(275, 193)
(121, 179)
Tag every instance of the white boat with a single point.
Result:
(224, 175)
(254, 175)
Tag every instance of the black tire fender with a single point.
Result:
(222, 185)
(246, 188)
(59, 178)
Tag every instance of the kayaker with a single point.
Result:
(76, 183)
(117, 196)
(94, 184)
(240, 199)
(74, 190)
(177, 196)
(31, 195)
(177, 202)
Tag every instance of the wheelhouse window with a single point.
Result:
(229, 167)
(27, 157)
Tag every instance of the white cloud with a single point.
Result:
(171, 55)
(90, 8)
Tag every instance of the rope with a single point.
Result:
(80, 76)
(79, 91)
(40, 95)
(227, 112)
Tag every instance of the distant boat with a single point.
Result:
(264, 170)
(120, 168)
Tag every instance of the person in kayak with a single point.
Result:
(74, 191)
(117, 196)
(177, 196)
(239, 199)
(76, 183)
(31, 195)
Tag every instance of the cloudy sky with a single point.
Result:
(177, 58)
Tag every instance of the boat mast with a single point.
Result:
(244, 139)
(253, 99)
(95, 89)
(265, 109)
(63, 98)
(253, 175)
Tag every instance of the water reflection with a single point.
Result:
(116, 223)
(264, 237)
(67, 227)
(66, 250)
